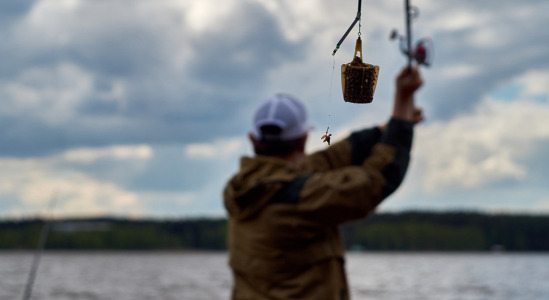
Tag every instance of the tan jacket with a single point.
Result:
(284, 239)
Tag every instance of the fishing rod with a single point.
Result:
(408, 13)
(423, 51)
(357, 18)
(38, 254)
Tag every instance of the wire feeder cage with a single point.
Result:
(359, 79)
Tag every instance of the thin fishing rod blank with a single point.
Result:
(36, 261)
(407, 11)
(357, 18)
(38, 254)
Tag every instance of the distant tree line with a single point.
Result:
(452, 231)
(116, 234)
(409, 231)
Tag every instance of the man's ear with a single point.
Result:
(251, 138)
(303, 142)
(253, 141)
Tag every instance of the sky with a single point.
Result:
(140, 108)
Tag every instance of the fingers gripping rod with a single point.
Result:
(357, 18)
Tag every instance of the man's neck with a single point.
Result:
(296, 158)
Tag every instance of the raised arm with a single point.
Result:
(352, 192)
(408, 82)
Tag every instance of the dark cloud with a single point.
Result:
(516, 48)
(11, 10)
(246, 46)
(25, 137)
(162, 103)
(169, 171)
(104, 73)
(225, 71)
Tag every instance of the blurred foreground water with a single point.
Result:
(204, 275)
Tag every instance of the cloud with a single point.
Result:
(490, 145)
(167, 204)
(121, 180)
(75, 194)
(162, 69)
(48, 95)
(154, 99)
(203, 16)
(142, 76)
(458, 19)
(542, 205)
(77, 181)
(459, 71)
(88, 155)
(534, 82)
(218, 149)
(498, 42)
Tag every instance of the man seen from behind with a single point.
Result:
(285, 207)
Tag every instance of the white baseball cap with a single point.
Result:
(285, 112)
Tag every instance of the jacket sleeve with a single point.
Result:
(399, 134)
(353, 191)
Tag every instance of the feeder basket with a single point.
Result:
(358, 79)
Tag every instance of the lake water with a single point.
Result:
(203, 275)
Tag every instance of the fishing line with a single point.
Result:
(326, 136)
(330, 95)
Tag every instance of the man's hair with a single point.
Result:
(270, 143)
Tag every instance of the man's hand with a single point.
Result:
(407, 83)
(418, 118)
(418, 115)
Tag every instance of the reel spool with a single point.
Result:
(358, 79)
(422, 53)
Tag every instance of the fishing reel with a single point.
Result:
(422, 52)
